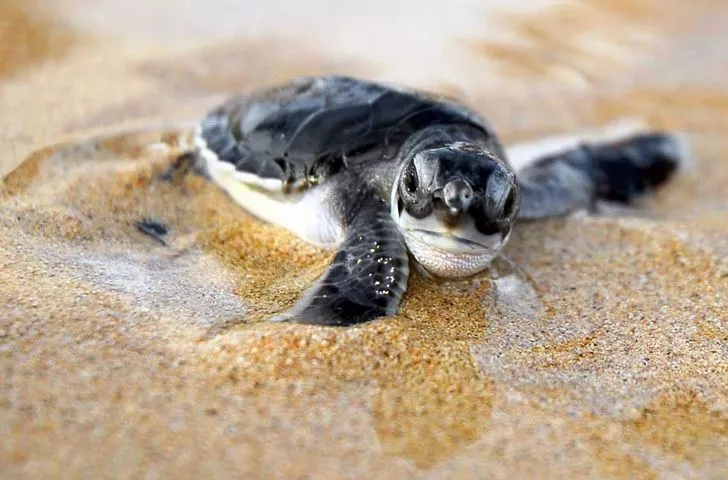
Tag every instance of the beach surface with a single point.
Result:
(124, 355)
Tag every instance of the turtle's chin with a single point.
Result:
(451, 252)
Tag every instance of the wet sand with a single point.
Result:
(122, 355)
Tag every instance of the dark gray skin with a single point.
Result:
(450, 171)
(411, 173)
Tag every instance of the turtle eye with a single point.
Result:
(509, 206)
(501, 199)
(410, 182)
(417, 202)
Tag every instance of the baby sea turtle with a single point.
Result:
(375, 171)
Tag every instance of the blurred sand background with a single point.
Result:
(123, 357)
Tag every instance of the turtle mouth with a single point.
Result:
(449, 251)
(461, 237)
(447, 241)
(447, 255)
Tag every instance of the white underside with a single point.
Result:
(305, 214)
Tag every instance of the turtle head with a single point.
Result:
(455, 206)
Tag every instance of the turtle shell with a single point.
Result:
(313, 127)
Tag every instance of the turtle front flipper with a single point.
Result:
(367, 276)
(616, 171)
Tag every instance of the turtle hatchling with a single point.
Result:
(385, 175)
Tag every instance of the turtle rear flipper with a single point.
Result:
(367, 276)
(616, 171)
(635, 166)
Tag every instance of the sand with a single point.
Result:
(126, 356)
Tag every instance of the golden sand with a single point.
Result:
(28, 37)
(123, 356)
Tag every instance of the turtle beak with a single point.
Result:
(457, 195)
